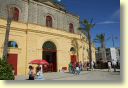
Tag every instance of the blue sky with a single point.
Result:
(106, 15)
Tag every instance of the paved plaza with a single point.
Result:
(97, 74)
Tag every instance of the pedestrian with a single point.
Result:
(37, 68)
(80, 65)
(73, 67)
(31, 73)
(109, 66)
(39, 74)
(70, 67)
(92, 65)
(88, 66)
(13, 72)
(77, 70)
(114, 65)
(84, 65)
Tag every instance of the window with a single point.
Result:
(49, 21)
(15, 13)
(73, 50)
(71, 28)
(49, 46)
(12, 44)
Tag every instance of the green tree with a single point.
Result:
(86, 29)
(5, 70)
(100, 38)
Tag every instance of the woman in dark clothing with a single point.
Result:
(31, 73)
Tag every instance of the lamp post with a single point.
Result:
(9, 20)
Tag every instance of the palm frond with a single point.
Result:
(100, 38)
(85, 22)
(80, 28)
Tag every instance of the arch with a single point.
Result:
(48, 45)
(73, 57)
(53, 40)
(72, 49)
(12, 44)
(71, 27)
(49, 21)
(48, 14)
(50, 55)
(15, 13)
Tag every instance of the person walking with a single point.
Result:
(114, 65)
(84, 66)
(31, 73)
(92, 65)
(77, 70)
(70, 67)
(88, 65)
(80, 65)
(73, 67)
(109, 66)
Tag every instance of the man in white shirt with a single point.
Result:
(92, 65)
(114, 65)
(109, 66)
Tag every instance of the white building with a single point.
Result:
(113, 54)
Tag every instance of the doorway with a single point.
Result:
(49, 54)
(12, 60)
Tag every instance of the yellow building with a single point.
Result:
(29, 41)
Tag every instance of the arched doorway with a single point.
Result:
(13, 57)
(49, 54)
(73, 56)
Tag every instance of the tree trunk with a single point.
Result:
(103, 51)
(90, 50)
(5, 48)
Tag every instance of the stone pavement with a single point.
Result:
(97, 74)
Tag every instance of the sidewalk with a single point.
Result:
(84, 75)
(52, 75)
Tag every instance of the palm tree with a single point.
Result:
(100, 38)
(86, 29)
(9, 20)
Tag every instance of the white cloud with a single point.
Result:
(59, 0)
(116, 14)
(108, 22)
(114, 19)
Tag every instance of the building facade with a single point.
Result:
(113, 54)
(101, 54)
(41, 30)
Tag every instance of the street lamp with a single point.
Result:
(9, 20)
